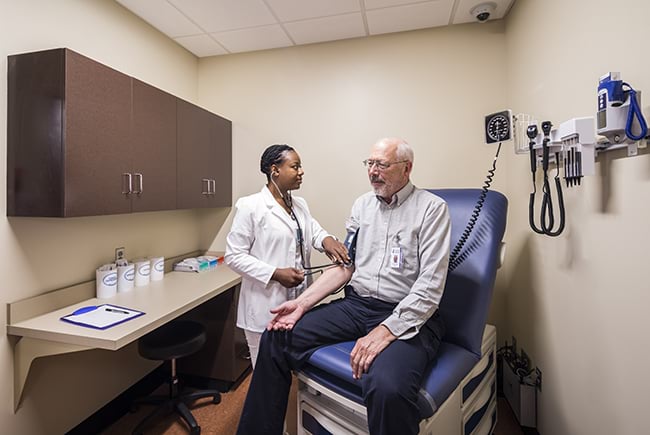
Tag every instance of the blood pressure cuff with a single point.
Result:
(351, 244)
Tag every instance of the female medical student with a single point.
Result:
(270, 243)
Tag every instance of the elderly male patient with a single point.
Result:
(390, 305)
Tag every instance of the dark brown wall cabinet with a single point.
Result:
(84, 139)
(151, 179)
(203, 169)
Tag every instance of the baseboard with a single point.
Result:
(118, 407)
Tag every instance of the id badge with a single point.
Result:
(396, 258)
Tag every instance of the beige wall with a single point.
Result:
(576, 303)
(579, 303)
(331, 102)
(39, 255)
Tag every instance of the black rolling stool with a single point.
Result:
(173, 340)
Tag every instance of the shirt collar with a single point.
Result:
(400, 196)
(268, 196)
(269, 199)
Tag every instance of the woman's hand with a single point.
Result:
(288, 276)
(335, 250)
(286, 316)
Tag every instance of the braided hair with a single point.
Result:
(273, 155)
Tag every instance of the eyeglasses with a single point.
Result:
(382, 166)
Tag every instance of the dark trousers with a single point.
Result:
(390, 387)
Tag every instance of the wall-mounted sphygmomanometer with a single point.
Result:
(619, 117)
(498, 128)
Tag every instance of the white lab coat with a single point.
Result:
(261, 239)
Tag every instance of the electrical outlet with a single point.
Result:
(120, 253)
(538, 378)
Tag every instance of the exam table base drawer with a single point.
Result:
(320, 415)
(475, 415)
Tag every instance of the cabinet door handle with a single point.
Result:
(138, 177)
(214, 186)
(129, 183)
(205, 182)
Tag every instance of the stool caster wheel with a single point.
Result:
(216, 399)
(195, 430)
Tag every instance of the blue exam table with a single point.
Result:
(458, 396)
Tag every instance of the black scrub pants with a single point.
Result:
(389, 389)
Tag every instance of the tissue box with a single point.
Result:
(191, 265)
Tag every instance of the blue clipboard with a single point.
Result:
(101, 316)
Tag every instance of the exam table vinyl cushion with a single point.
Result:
(330, 366)
(464, 307)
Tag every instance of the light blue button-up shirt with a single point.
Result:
(402, 254)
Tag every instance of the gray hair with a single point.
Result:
(403, 151)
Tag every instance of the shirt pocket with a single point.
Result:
(408, 241)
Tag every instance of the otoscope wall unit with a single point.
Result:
(571, 148)
(619, 121)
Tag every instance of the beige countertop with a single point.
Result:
(161, 301)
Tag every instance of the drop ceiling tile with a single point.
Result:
(221, 15)
(292, 10)
(163, 16)
(201, 45)
(375, 4)
(256, 38)
(240, 23)
(326, 29)
(409, 17)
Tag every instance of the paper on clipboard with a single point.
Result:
(102, 316)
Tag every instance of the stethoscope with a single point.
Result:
(288, 201)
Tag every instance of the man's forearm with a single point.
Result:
(331, 280)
